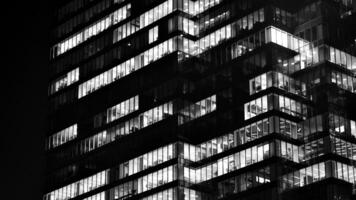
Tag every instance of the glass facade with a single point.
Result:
(229, 163)
(275, 102)
(244, 181)
(276, 79)
(144, 183)
(125, 128)
(62, 137)
(92, 30)
(306, 176)
(79, 187)
(64, 81)
(127, 67)
(317, 172)
(197, 109)
(143, 20)
(201, 99)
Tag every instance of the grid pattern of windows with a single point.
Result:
(308, 12)
(209, 148)
(341, 58)
(305, 176)
(64, 81)
(62, 137)
(282, 16)
(99, 196)
(262, 128)
(312, 149)
(197, 109)
(143, 20)
(197, 7)
(79, 187)
(147, 160)
(255, 130)
(83, 17)
(343, 81)
(310, 126)
(310, 55)
(285, 39)
(277, 79)
(152, 34)
(122, 109)
(301, 153)
(291, 106)
(212, 39)
(229, 163)
(128, 168)
(224, 33)
(211, 21)
(318, 172)
(258, 106)
(127, 67)
(92, 30)
(247, 44)
(144, 183)
(288, 151)
(190, 194)
(189, 26)
(157, 52)
(115, 112)
(277, 102)
(71, 7)
(343, 148)
(169, 194)
(125, 128)
(344, 172)
(244, 181)
(107, 45)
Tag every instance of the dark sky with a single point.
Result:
(25, 78)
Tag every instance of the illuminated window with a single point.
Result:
(353, 128)
(62, 137)
(153, 34)
(64, 81)
(91, 30)
(197, 109)
(125, 68)
(80, 187)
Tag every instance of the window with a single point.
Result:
(255, 107)
(90, 31)
(125, 68)
(305, 176)
(282, 81)
(153, 34)
(62, 137)
(64, 81)
(197, 109)
(122, 109)
(80, 187)
(143, 20)
(353, 128)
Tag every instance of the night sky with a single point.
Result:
(26, 25)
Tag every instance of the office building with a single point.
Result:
(202, 99)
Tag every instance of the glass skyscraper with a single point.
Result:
(202, 99)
